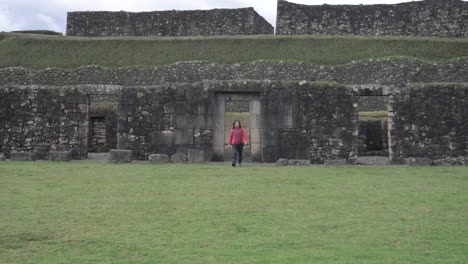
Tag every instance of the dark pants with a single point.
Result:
(237, 150)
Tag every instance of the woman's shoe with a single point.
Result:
(233, 164)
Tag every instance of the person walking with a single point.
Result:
(237, 140)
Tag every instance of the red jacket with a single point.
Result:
(237, 137)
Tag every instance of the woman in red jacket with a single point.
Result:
(237, 139)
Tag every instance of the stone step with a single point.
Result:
(373, 160)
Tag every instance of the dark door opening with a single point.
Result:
(97, 139)
(373, 126)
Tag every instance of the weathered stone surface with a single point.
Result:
(443, 18)
(158, 158)
(419, 161)
(22, 156)
(117, 155)
(339, 162)
(373, 160)
(60, 155)
(463, 161)
(430, 121)
(389, 71)
(42, 119)
(179, 158)
(298, 120)
(446, 162)
(282, 162)
(196, 156)
(299, 163)
(241, 21)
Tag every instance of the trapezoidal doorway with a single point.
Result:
(246, 108)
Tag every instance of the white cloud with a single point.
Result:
(8, 21)
(49, 21)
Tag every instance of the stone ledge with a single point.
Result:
(60, 155)
(419, 162)
(338, 162)
(158, 158)
(117, 155)
(196, 156)
(282, 162)
(371, 160)
(179, 158)
(22, 156)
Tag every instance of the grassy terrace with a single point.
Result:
(41, 51)
(83, 212)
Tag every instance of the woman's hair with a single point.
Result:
(234, 124)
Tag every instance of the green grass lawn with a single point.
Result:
(84, 212)
(41, 51)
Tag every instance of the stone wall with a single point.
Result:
(242, 21)
(330, 116)
(304, 120)
(430, 121)
(442, 18)
(317, 121)
(391, 71)
(42, 119)
(103, 105)
(165, 119)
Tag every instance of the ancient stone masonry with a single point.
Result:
(430, 121)
(242, 21)
(42, 119)
(441, 18)
(164, 120)
(298, 113)
(390, 71)
(179, 117)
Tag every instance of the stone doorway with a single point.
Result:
(97, 139)
(247, 108)
(373, 126)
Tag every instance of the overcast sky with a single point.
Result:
(52, 14)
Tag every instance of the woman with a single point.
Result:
(237, 140)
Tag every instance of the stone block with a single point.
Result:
(22, 156)
(255, 135)
(158, 158)
(419, 162)
(373, 160)
(162, 138)
(446, 162)
(196, 156)
(282, 162)
(337, 162)
(76, 154)
(60, 155)
(183, 137)
(463, 161)
(179, 158)
(299, 163)
(118, 155)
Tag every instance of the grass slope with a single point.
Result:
(38, 51)
(141, 213)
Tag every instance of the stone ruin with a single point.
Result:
(298, 113)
